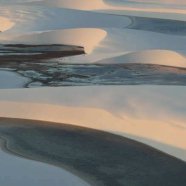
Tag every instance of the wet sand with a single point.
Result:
(98, 157)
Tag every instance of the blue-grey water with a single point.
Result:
(103, 74)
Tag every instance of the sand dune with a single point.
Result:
(112, 5)
(119, 42)
(161, 57)
(114, 109)
(103, 36)
(86, 37)
(146, 8)
(42, 19)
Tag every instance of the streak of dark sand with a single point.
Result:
(20, 52)
(99, 157)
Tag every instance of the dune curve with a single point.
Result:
(88, 38)
(119, 111)
(160, 57)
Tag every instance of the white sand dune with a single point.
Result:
(160, 57)
(153, 115)
(163, 9)
(103, 36)
(136, 44)
(86, 37)
(30, 19)
(70, 26)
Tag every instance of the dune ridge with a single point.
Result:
(161, 57)
(78, 37)
(161, 117)
(104, 36)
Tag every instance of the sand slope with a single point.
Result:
(152, 115)
(161, 57)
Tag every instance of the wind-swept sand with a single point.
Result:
(161, 57)
(102, 35)
(161, 9)
(98, 157)
(152, 8)
(89, 38)
(153, 115)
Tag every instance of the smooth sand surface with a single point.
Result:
(104, 35)
(161, 57)
(89, 38)
(152, 114)
(99, 157)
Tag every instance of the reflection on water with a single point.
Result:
(13, 169)
(56, 74)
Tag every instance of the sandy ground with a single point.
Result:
(153, 115)
(9, 79)
(98, 157)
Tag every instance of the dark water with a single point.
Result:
(165, 26)
(102, 158)
(52, 74)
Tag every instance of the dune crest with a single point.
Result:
(159, 57)
(89, 38)
(119, 111)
